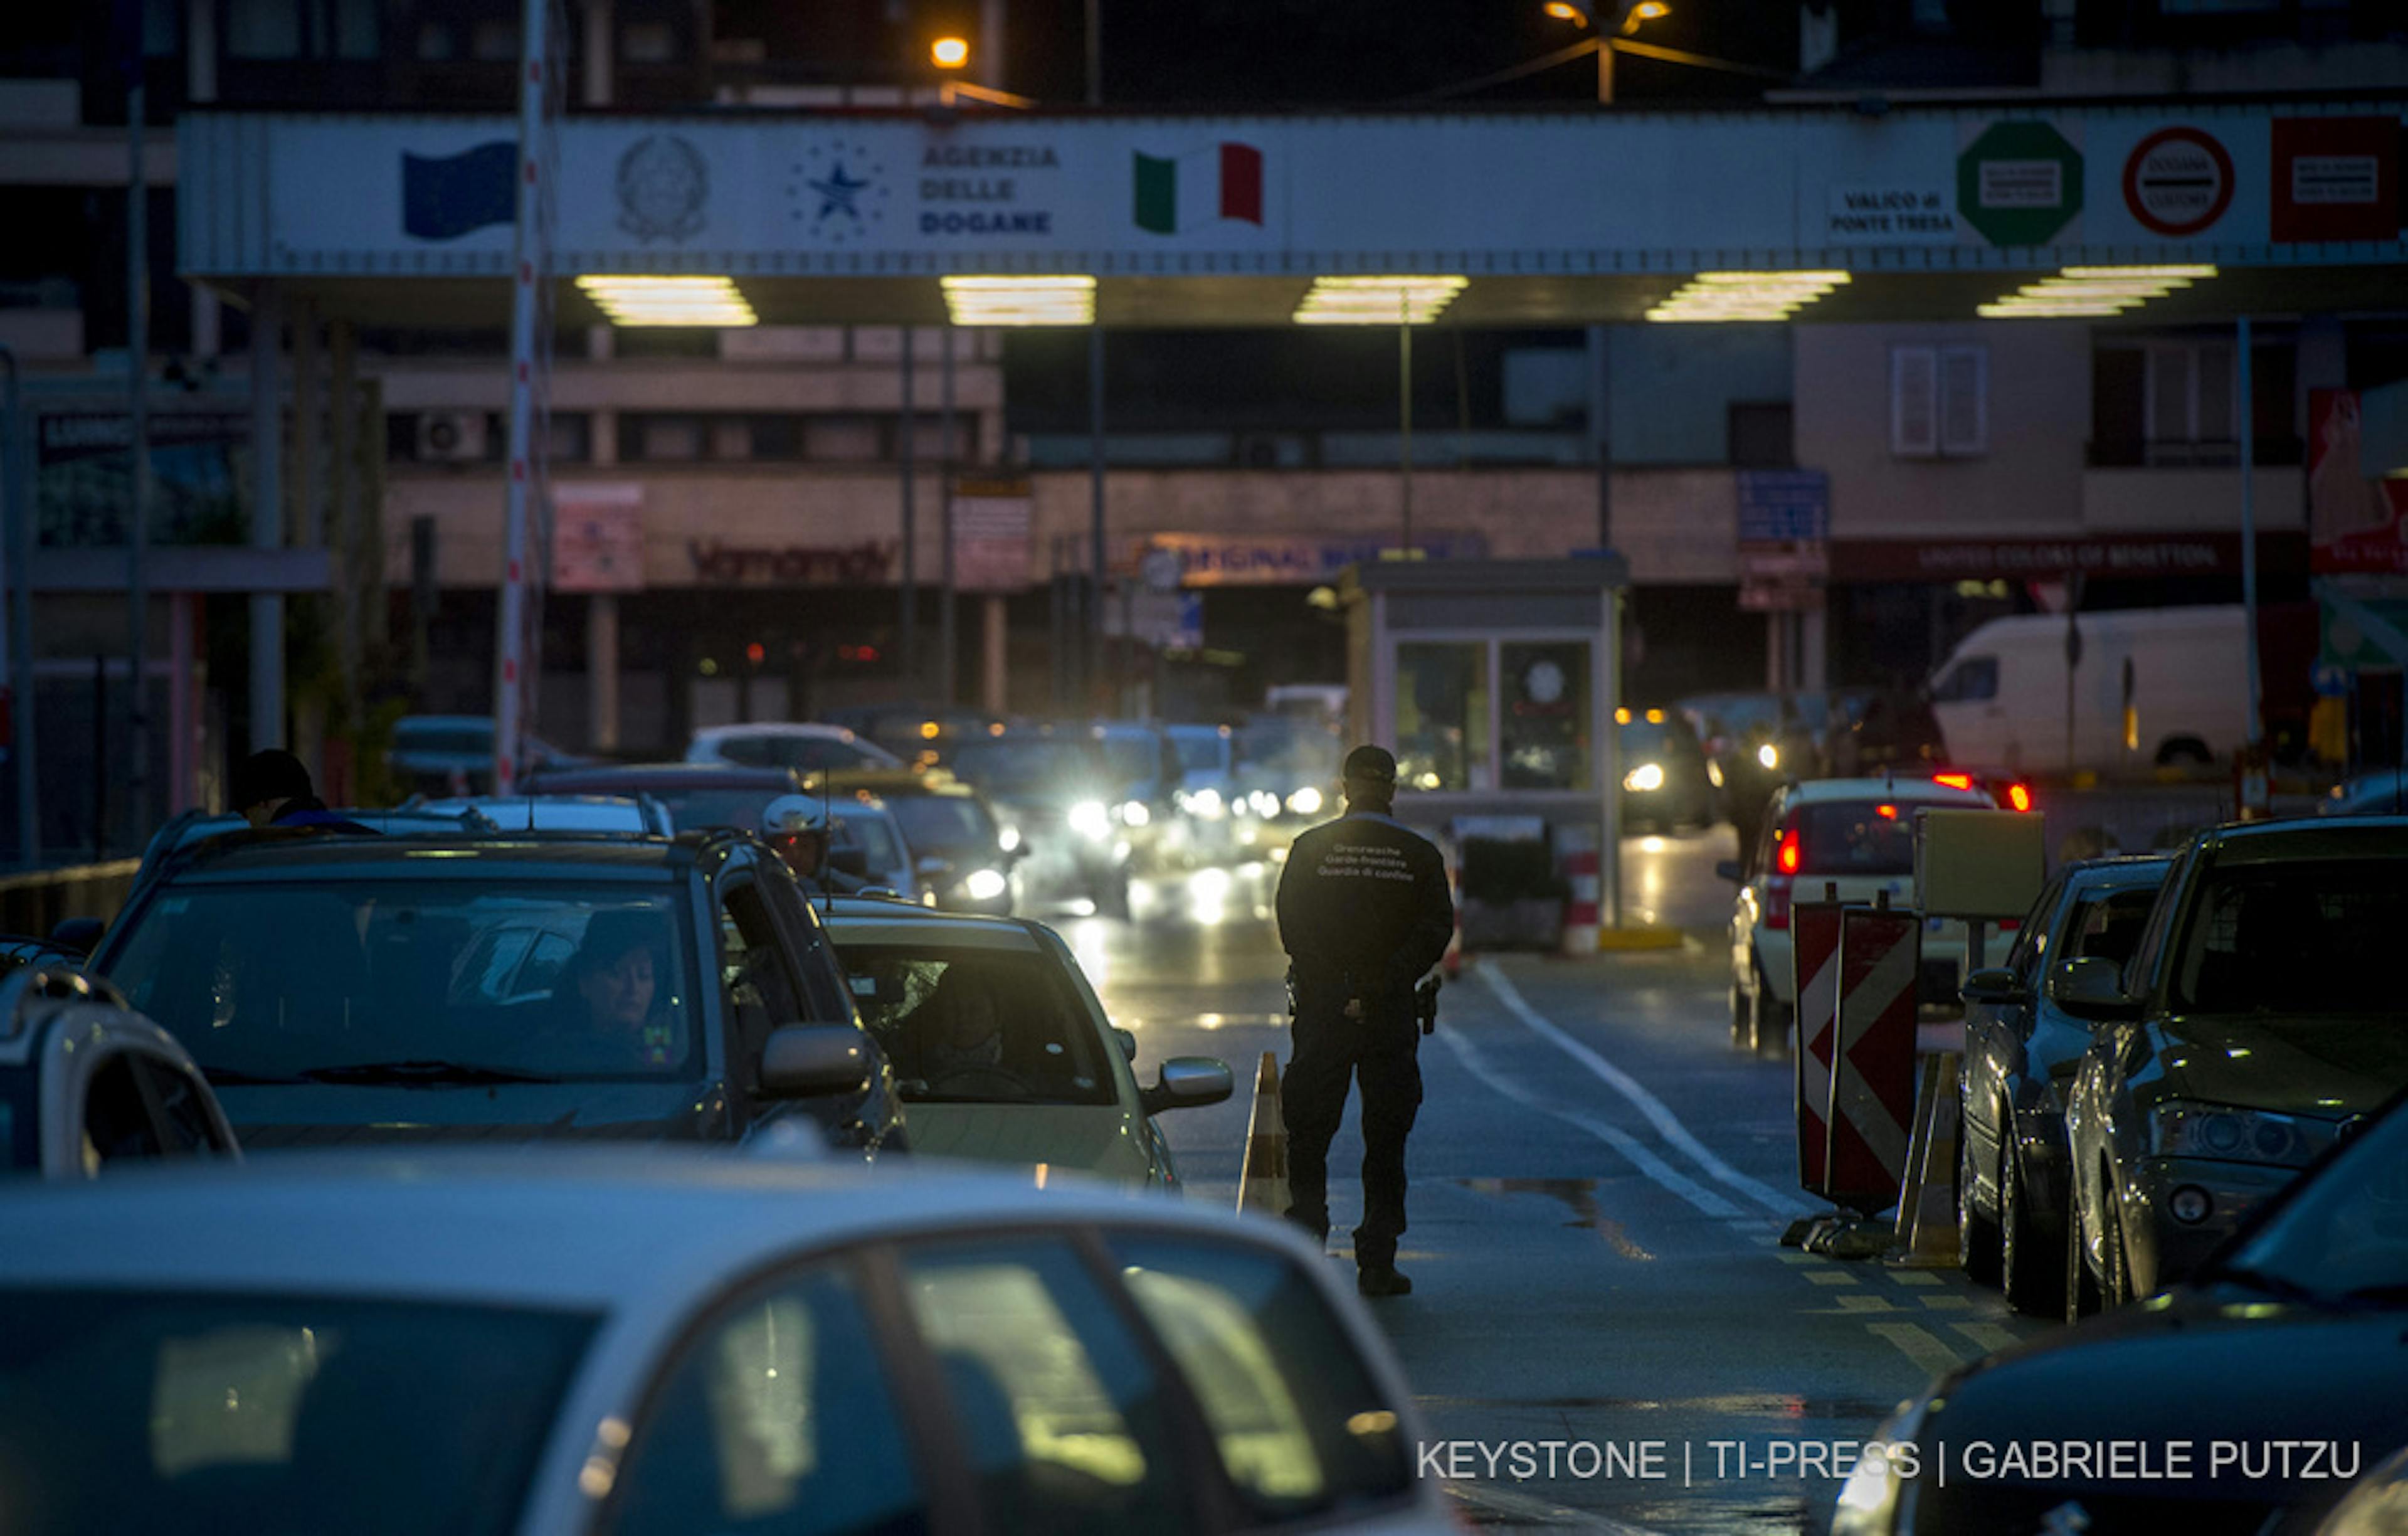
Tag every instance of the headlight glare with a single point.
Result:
(1769, 754)
(1089, 819)
(1136, 813)
(1869, 1499)
(983, 885)
(1305, 801)
(1643, 778)
(1007, 838)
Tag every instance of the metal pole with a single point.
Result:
(1405, 415)
(1609, 762)
(15, 486)
(2249, 534)
(266, 511)
(1600, 426)
(905, 450)
(137, 517)
(530, 265)
(946, 643)
(1604, 69)
(1095, 603)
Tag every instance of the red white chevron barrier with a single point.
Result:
(1815, 957)
(1872, 1105)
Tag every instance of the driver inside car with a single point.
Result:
(959, 1030)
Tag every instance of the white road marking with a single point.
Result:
(1658, 1114)
(1929, 1355)
(1989, 1338)
(1611, 1135)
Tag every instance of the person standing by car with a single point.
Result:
(799, 827)
(1363, 913)
(271, 788)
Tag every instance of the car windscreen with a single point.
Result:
(979, 1025)
(944, 824)
(2344, 1234)
(443, 740)
(2299, 937)
(874, 836)
(778, 749)
(1656, 740)
(1017, 768)
(358, 981)
(159, 1412)
(1853, 836)
(699, 810)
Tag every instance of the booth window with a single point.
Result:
(1545, 721)
(1443, 715)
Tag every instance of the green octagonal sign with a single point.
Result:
(2019, 183)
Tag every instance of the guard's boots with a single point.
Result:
(1382, 1280)
(1313, 1227)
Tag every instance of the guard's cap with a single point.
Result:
(1371, 764)
(273, 774)
(790, 816)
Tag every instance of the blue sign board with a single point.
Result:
(1784, 506)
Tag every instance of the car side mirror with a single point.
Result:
(79, 934)
(1997, 986)
(1189, 1082)
(1732, 870)
(816, 1061)
(2093, 989)
(1129, 1041)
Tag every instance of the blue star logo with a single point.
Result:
(840, 192)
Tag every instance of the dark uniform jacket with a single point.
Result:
(1364, 909)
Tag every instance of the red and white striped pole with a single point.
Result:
(530, 269)
(1580, 911)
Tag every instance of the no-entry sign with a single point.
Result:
(2178, 182)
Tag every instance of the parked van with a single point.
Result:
(2001, 700)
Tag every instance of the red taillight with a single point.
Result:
(1776, 902)
(2019, 797)
(1790, 856)
(1886, 812)
(1954, 781)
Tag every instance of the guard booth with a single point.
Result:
(1496, 682)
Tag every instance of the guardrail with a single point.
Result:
(33, 904)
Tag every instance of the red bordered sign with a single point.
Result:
(2178, 182)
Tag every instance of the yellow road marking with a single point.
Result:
(1917, 1344)
(1949, 1303)
(1915, 1277)
(1830, 1277)
(1989, 1338)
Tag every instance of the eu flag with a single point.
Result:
(442, 199)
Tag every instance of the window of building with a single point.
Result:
(731, 437)
(263, 29)
(661, 438)
(1939, 401)
(648, 42)
(842, 440)
(438, 42)
(494, 40)
(2190, 403)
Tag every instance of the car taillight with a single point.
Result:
(2018, 797)
(1954, 781)
(1776, 902)
(1789, 856)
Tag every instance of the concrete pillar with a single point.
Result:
(200, 56)
(602, 669)
(304, 490)
(343, 495)
(183, 696)
(1813, 666)
(266, 511)
(1776, 653)
(994, 653)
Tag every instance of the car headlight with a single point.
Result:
(1713, 773)
(1265, 803)
(2377, 1506)
(1135, 813)
(983, 885)
(1645, 777)
(1089, 819)
(2181, 1128)
(1206, 804)
(1870, 1500)
(1007, 838)
(1305, 801)
(1769, 754)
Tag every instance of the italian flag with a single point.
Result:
(1231, 189)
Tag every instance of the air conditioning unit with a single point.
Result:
(451, 435)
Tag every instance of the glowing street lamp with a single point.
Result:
(950, 52)
(1621, 16)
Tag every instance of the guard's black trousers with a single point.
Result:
(1379, 1051)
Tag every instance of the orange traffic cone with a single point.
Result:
(1263, 1185)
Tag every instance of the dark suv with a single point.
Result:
(349, 988)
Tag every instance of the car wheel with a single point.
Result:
(2031, 1272)
(2116, 1275)
(1977, 1235)
(1743, 1015)
(1775, 1021)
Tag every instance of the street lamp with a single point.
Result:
(950, 52)
(1623, 17)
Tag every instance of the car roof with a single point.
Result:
(658, 776)
(1919, 790)
(779, 727)
(2311, 838)
(579, 1228)
(336, 855)
(900, 923)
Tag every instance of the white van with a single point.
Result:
(2001, 700)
